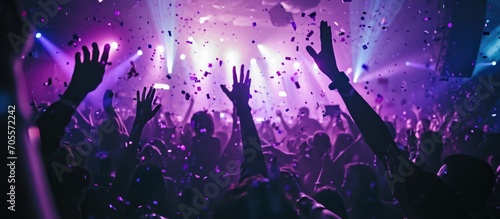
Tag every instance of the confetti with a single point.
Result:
(310, 33)
(313, 16)
(365, 47)
(297, 85)
(294, 25)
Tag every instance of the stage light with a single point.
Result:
(191, 38)
(139, 52)
(114, 45)
(160, 48)
(182, 56)
(253, 61)
(407, 63)
(99, 0)
(282, 94)
(348, 71)
(260, 46)
(203, 19)
(161, 86)
(296, 65)
(38, 35)
(494, 63)
(315, 66)
(221, 39)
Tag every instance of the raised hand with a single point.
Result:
(89, 73)
(278, 113)
(241, 90)
(144, 110)
(325, 59)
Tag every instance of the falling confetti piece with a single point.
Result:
(310, 33)
(313, 16)
(294, 26)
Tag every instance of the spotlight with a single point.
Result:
(38, 35)
(161, 86)
(139, 52)
(114, 45)
(282, 94)
(203, 19)
(407, 63)
(494, 63)
(296, 65)
(221, 39)
(348, 71)
(260, 46)
(160, 48)
(182, 57)
(191, 38)
(253, 61)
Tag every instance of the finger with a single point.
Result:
(86, 54)
(143, 93)
(95, 52)
(247, 78)
(105, 54)
(157, 108)
(150, 92)
(225, 90)
(138, 98)
(235, 79)
(249, 82)
(326, 36)
(242, 72)
(311, 52)
(78, 59)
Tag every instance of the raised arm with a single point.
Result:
(188, 112)
(253, 163)
(128, 159)
(371, 126)
(87, 75)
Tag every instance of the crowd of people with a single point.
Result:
(143, 163)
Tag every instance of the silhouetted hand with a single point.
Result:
(144, 110)
(241, 90)
(325, 59)
(89, 73)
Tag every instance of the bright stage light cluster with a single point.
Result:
(114, 45)
(182, 56)
(139, 52)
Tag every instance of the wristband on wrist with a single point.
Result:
(341, 84)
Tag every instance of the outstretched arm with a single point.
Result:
(253, 163)
(371, 126)
(188, 112)
(87, 75)
(128, 159)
